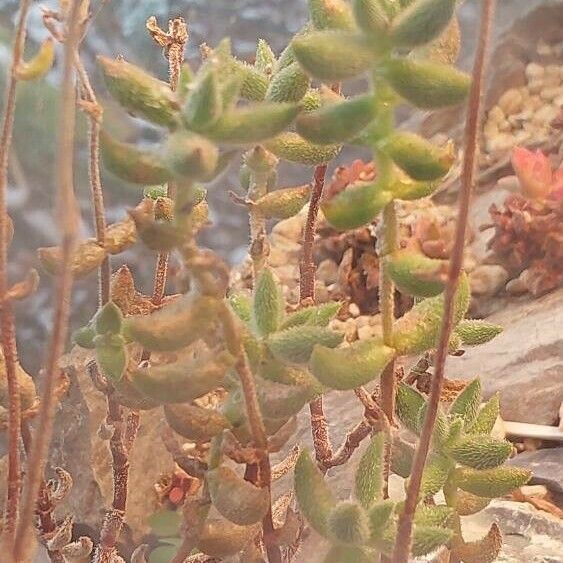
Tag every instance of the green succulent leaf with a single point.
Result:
(348, 523)
(429, 538)
(467, 504)
(379, 515)
(278, 400)
(418, 330)
(435, 474)
(333, 56)
(184, 380)
(111, 355)
(191, 156)
(140, 93)
(131, 164)
(313, 494)
(480, 451)
(237, 500)
(337, 122)
(84, 336)
(369, 474)
(331, 14)
(491, 483)
(165, 523)
(195, 423)
(268, 304)
(109, 319)
(484, 550)
(296, 344)
(408, 405)
(290, 84)
(204, 105)
(427, 84)
(317, 315)
(421, 22)
(402, 456)
(283, 203)
(348, 368)
(347, 554)
(241, 304)
(466, 404)
(486, 417)
(371, 17)
(265, 59)
(416, 156)
(357, 205)
(254, 123)
(415, 274)
(433, 515)
(292, 147)
(475, 332)
(175, 325)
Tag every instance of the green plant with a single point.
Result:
(231, 370)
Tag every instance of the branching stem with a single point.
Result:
(404, 534)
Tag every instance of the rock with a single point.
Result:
(534, 71)
(546, 465)
(328, 271)
(551, 93)
(291, 228)
(511, 101)
(524, 363)
(487, 279)
(496, 115)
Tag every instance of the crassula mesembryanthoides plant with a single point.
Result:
(232, 372)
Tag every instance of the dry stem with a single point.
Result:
(67, 212)
(404, 535)
(7, 322)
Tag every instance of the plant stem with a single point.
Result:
(259, 246)
(67, 211)
(96, 188)
(450, 494)
(404, 534)
(7, 321)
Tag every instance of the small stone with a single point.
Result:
(511, 101)
(518, 286)
(490, 129)
(321, 292)
(558, 102)
(534, 70)
(538, 491)
(544, 49)
(350, 330)
(544, 115)
(501, 142)
(546, 465)
(291, 228)
(487, 279)
(496, 114)
(504, 126)
(534, 102)
(535, 86)
(365, 332)
(328, 271)
(354, 310)
(278, 257)
(551, 93)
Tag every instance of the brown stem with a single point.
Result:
(44, 510)
(67, 211)
(351, 443)
(123, 435)
(7, 321)
(96, 188)
(404, 535)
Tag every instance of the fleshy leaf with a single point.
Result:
(468, 504)
(40, 64)
(433, 515)
(237, 500)
(129, 163)
(175, 325)
(241, 303)
(347, 554)
(195, 423)
(480, 451)
(318, 315)
(356, 206)
(140, 93)
(475, 332)
(268, 304)
(466, 404)
(313, 494)
(485, 550)
(426, 84)
(369, 474)
(265, 58)
(421, 22)
(415, 274)
(486, 417)
(204, 105)
(291, 146)
(348, 368)
(190, 156)
(416, 156)
(379, 515)
(108, 319)
(184, 380)
(296, 344)
(337, 122)
(371, 17)
(418, 330)
(290, 84)
(87, 258)
(331, 14)
(402, 455)
(332, 56)
(283, 203)
(491, 483)
(111, 355)
(282, 401)
(408, 405)
(253, 124)
(428, 538)
(435, 474)
(348, 523)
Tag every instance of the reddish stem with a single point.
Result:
(404, 533)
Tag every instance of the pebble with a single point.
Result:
(365, 332)
(496, 115)
(518, 285)
(544, 115)
(551, 93)
(354, 310)
(534, 70)
(291, 228)
(511, 101)
(487, 279)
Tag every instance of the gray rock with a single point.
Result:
(546, 465)
(487, 279)
(524, 363)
